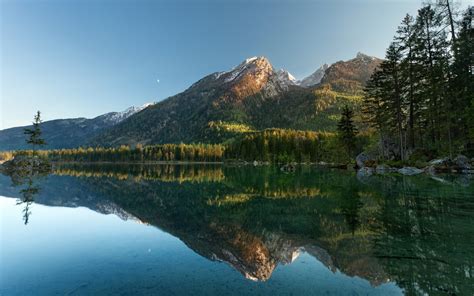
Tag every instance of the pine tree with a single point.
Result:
(34, 133)
(406, 39)
(462, 82)
(347, 130)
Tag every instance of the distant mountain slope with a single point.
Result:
(252, 94)
(66, 133)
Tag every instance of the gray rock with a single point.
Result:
(410, 171)
(361, 159)
(440, 162)
(462, 162)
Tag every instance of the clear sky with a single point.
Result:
(85, 58)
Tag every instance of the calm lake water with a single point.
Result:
(217, 230)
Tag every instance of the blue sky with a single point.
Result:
(85, 58)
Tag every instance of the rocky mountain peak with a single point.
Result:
(257, 67)
(285, 78)
(363, 56)
(314, 78)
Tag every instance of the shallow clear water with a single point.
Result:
(204, 230)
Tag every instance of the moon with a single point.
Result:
(157, 80)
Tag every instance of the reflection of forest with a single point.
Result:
(172, 173)
(415, 231)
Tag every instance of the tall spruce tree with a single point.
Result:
(347, 130)
(462, 82)
(34, 133)
(406, 39)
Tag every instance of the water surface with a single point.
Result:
(203, 230)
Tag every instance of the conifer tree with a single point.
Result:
(34, 133)
(347, 130)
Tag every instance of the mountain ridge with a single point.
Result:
(252, 94)
(67, 133)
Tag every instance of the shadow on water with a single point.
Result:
(415, 231)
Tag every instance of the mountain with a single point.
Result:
(239, 95)
(66, 133)
(314, 78)
(252, 95)
(351, 75)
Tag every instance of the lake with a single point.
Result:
(224, 230)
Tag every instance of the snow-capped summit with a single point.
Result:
(117, 117)
(252, 65)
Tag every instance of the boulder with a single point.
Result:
(462, 162)
(361, 159)
(410, 171)
(440, 162)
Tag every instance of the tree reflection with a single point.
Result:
(350, 205)
(26, 172)
(28, 194)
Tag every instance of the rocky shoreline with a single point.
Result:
(459, 165)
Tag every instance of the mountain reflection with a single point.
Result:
(415, 231)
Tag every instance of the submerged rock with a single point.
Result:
(365, 172)
(288, 168)
(410, 171)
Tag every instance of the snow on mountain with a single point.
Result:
(117, 117)
(314, 78)
(242, 68)
(285, 78)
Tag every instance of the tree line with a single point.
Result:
(422, 95)
(283, 146)
(166, 152)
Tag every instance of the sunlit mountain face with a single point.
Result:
(387, 231)
(253, 94)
